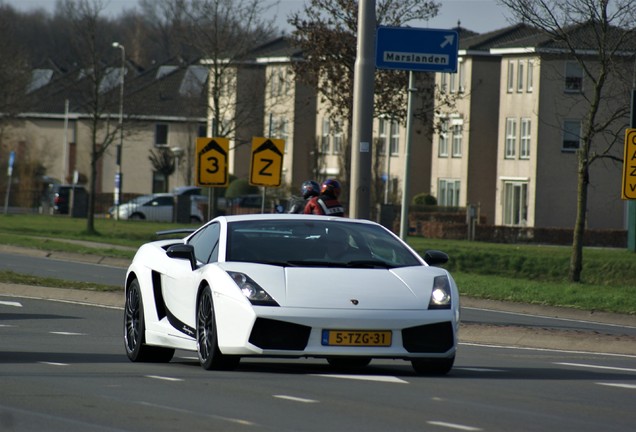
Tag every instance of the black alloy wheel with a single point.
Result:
(135, 328)
(210, 356)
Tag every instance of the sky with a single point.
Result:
(477, 15)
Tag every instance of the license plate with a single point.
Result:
(372, 338)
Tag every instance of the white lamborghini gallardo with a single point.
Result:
(283, 285)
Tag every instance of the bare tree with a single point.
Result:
(94, 93)
(601, 38)
(163, 161)
(326, 32)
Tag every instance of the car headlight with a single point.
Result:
(441, 294)
(250, 289)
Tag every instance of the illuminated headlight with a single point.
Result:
(250, 289)
(441, 294)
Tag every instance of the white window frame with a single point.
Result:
(520, 69)
(167, 134)
(442, 150)
(394, 138)
(525, 139)
(452, 78)
(325, 138)
(382, 138)
(457, 131)
(443, 84)
(337, 137)
(573, 77)
(530, 78)
(448, 192)
(511, 138)
(511, 76)
(515, 203)
(571, 134)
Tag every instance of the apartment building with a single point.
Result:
(509, 146)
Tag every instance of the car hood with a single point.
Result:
(338, 288)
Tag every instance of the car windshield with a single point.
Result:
(312, 243)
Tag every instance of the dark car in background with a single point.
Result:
(62, 196)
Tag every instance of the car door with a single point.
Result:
(180, 282)
(159, 209)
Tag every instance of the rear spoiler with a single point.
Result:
(176, 231)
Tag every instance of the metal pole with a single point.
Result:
(362, 115)
(404, 218)
(631, 204)
(65, 144)
(118, 174)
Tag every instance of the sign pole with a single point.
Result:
(404, 216)
(362, 115)
(631, 204)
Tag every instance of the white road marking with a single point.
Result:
(389, 379)
(619, 385)
(11, 303)
(6, 325)
(67, 333)
(546, 350)
(54, 363)
(453, 426)
(598, 367)
(184, 411)
(554, 318)
(478, 369)
(295, 399)
(163, 378)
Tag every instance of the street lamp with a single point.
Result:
(118, 176)
(177, 152)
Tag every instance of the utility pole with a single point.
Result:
(118, 174)
(362, 118)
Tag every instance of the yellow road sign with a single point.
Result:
(211, 162)
(267, 161)
(629, 165)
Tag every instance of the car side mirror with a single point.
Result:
(435, 257)
(183, 251)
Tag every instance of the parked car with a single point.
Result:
(158, 207)
(60, 196)
(347, 290)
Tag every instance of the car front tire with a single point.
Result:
(435, 366)
(210, 356)
(135, 329)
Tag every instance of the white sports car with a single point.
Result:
(284, 285)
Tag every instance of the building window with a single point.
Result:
(382, 136)
(161, 134)
(524, 145)
(530, 78)
(452, 78)
(515, 203)
(511, 138)
(573, 77)
(571, 135)
(324, 140)
(202, 130)
(337, 137)
(461, 76)
(444, 82)
(443, 138)
(457, 139)
(520, 76)
(511, 76)
(394, 143)
(159, 182)
(448, 193)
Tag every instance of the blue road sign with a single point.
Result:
(415, 49)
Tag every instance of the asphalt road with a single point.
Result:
(63, 368)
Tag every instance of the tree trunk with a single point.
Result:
(576, 259)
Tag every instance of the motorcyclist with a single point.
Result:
(308, 189)
(327, 202)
